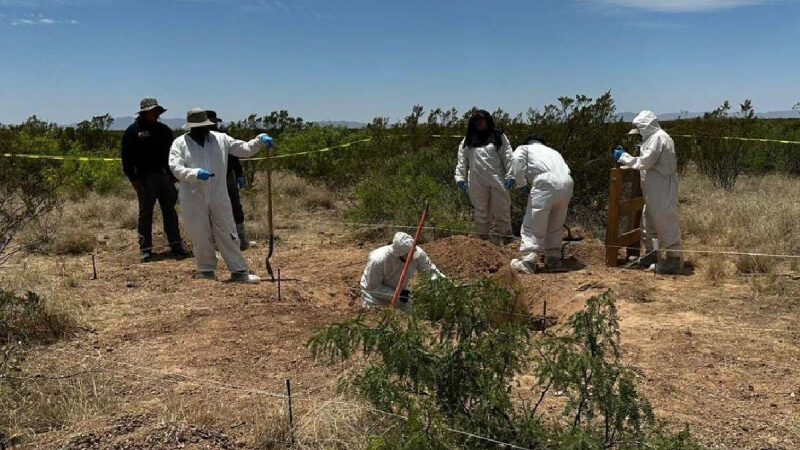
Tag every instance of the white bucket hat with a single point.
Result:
(197, 117)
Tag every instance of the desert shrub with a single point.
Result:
(29, 318)
(451, 365)
(397, 191)
(415, 167)
(73, 241)
(25, 196)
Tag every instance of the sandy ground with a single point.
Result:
(192, 364)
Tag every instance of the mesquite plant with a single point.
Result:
(451, 367)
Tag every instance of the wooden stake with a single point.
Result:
(280, 296)
(544, 317)
(291, 411)
(94, 268)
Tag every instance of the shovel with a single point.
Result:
(269, 218)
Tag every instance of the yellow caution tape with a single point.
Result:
(322, 150)
(56, 157)
(743, 139)
(335, 147)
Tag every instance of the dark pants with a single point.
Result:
(158, 187)
(236, 202)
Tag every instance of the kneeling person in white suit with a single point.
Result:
(383, 271)
(198, 159)
(545, 171)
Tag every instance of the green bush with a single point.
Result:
(397, 191)
(451, 366)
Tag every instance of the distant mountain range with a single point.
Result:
(121, 123)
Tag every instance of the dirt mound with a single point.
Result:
(467, 258)
(131, 433)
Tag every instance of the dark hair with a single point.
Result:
(476, 138)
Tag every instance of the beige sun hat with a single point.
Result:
(149, 104)
(197, 117)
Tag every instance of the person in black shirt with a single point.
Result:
(145, 151)
(235, 179)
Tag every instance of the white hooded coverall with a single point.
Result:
(384, 268)
(658, 164)
(205, 205)
(485, 169)
(551, 191)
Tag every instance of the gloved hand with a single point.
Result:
(266, 140)
(137, 186)
(463, 186)
(405, 296)
(240, 183)
(509, 184)
(618, 152)
(204, 175)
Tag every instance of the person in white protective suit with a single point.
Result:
(658, 164)
(383, 271)
(484, 172)
(198, 159)
(545, 171)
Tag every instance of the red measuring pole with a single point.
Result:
(410, 257)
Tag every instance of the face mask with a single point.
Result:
(199, 134)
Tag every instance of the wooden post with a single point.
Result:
(291, 411)
(616, 237)
(544, 317)
(280, 296)
(94, 268)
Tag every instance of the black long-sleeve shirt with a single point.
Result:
(145, 149)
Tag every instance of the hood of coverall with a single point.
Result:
(401, 244)
(647, 124)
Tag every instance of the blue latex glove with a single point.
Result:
(618, 152)
(203, 174)
(240, 182)
(267, 140)
(509, 184)
(463, 186)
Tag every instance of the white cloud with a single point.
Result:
(42, 21)
(47, 3)
(678, 6)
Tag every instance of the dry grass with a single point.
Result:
(338, 424)
(759, 215)
(290, 193)
(35, 403)
(715, 270)
(292, 196)
(74, 230)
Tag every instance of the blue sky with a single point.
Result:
(67, 60)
